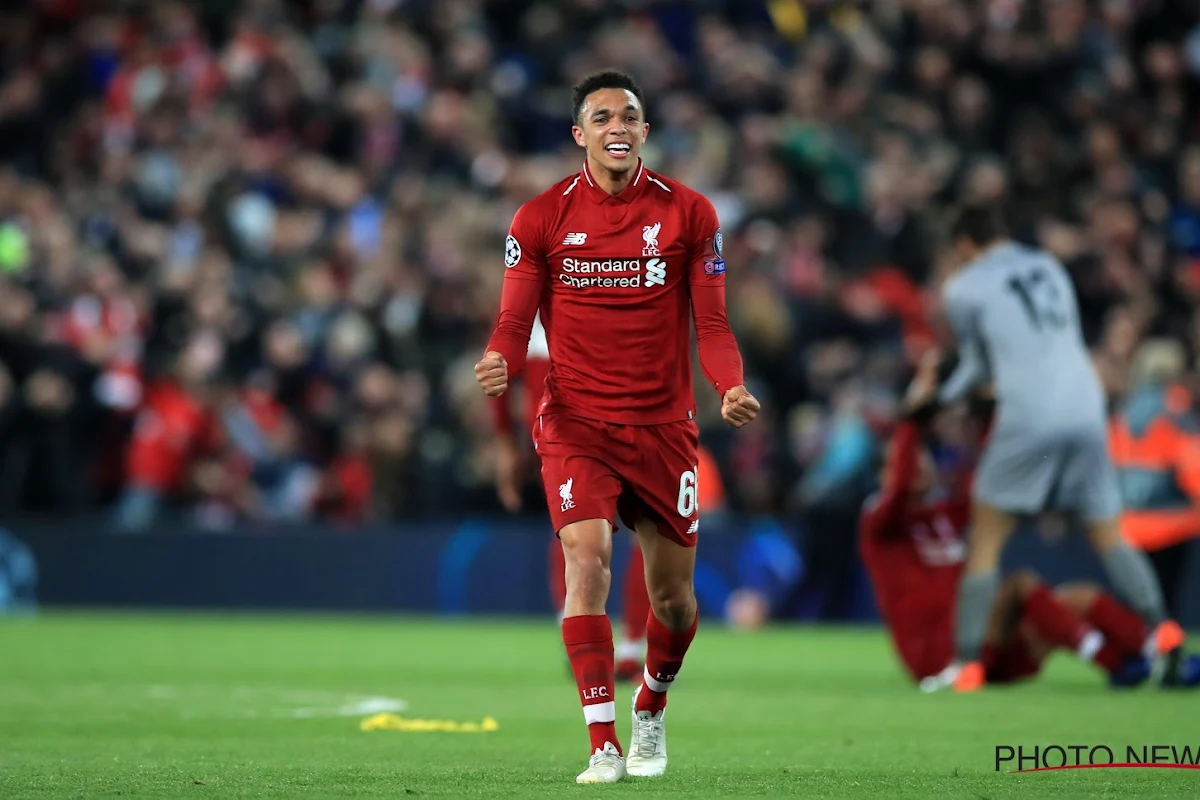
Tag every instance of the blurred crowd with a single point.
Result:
(250, 249)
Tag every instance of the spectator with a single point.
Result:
(298, 209)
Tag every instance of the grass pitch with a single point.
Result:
(165, 706)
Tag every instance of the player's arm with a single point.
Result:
(719, 355)
(501, 412)
(972, 368)
(884, 514)
(525, 262)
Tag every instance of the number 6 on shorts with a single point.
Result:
(686, 506)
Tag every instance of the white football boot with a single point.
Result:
(647, 754)
(943, 680)
(606, 766)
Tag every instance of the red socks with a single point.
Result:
(1054, 621)
(664, 656)
(589, 645)
(1060, 625)
(635, 601)
(1120, 625)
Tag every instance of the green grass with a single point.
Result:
(107, 705)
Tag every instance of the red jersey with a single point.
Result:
(615, 279)
(914, 555)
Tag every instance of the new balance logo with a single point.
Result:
(694, 527)
(656, 272)
(564, 493)
(575, 238)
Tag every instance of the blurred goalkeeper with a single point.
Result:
(913, 549)
(1016, 322)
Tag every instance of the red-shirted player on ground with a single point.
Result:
(618, 261)
(913, 551)
(510, 474)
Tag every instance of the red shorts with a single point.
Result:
(598, 470)
(1011, 662)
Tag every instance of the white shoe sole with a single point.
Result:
(647, 770)
(611, 772)
(584, 777)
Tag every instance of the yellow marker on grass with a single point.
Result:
(388, 721)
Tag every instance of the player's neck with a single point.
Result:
(609, 181)
(980, 252)
(991, 247)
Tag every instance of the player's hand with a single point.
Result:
(492, 374)
(508, 474)
(739, 407)
(922, 392)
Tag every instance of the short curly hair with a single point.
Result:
(608, 79)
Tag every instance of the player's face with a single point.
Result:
(612, 128)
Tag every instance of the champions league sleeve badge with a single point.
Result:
(512, 252)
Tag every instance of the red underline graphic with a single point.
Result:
(1107, 766)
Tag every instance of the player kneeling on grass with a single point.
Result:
(619, 261)
(914, 553)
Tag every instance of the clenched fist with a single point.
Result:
(492, 374)
(738, 407)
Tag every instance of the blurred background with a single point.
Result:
(250, 252)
